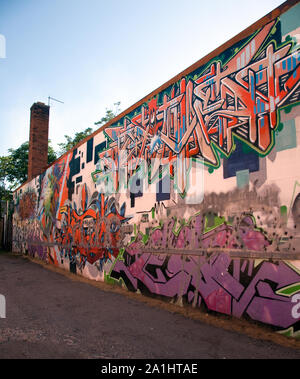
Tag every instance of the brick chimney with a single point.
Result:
(38, 139)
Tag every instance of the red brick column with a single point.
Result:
(38, 139)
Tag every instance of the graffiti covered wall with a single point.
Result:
(193, 195)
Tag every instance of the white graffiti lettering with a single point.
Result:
(296, 308)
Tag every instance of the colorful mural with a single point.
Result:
(93, 232)
(192, 196)
(202, 113)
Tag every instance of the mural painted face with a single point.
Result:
(92, 232)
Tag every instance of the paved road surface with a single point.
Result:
(50, 316)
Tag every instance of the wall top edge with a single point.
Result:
(202, 61)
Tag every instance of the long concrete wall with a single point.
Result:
(192, 194)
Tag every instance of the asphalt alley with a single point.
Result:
(48, 315)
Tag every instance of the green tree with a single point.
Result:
(109, 115)
(72, 141)
(14, 168)
(5, 192)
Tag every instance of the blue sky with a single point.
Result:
(92, 53)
